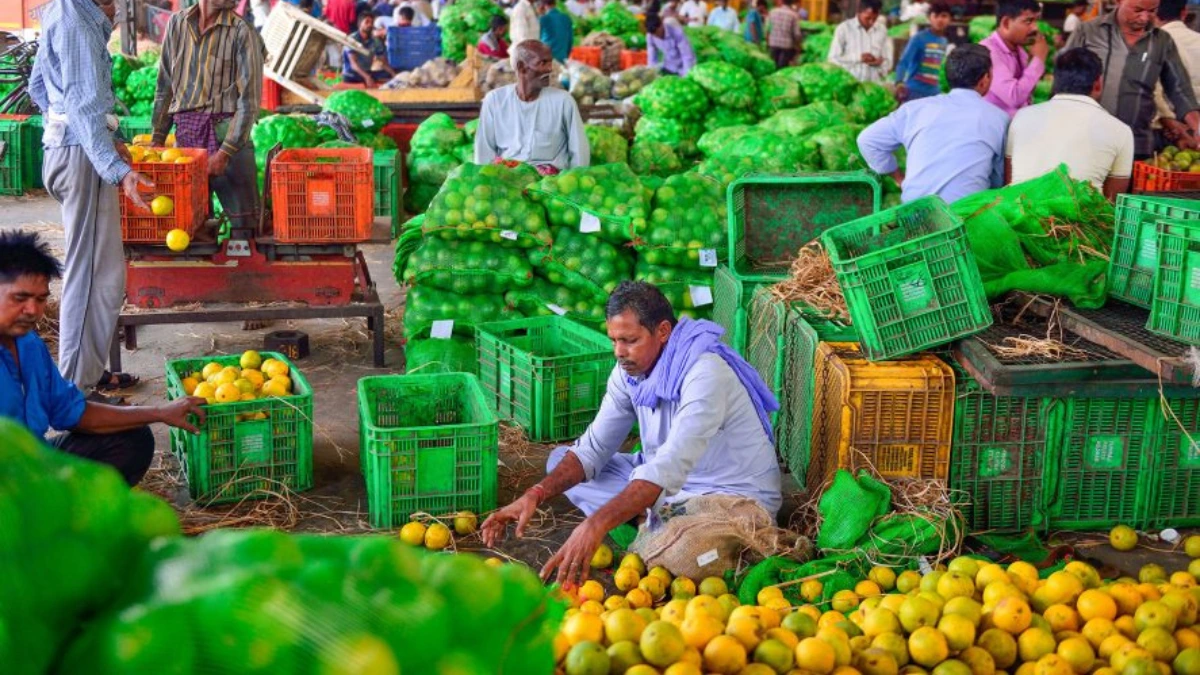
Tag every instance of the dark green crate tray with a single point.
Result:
(1175, 305)
(1134, 257)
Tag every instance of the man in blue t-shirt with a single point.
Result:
(917, 73)
(358, 68)
(557, 30)
(33, 392)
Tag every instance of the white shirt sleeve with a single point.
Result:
(579, 152)
(485, 134)
(604, 436)
(1122, 166)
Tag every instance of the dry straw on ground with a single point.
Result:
(814, 283)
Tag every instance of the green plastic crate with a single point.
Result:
(1135, 243)
(34, 154)
(801, 336)
(997, 454)
(547, 374)
(1175, 310)
(428, 443)
(731, 305)
(1175, 467)
(909, 278)
(12, 157)
(772, 217)
(1099, 475)
(233, 457)
(387, 185)
(133, 125)
(764, 342)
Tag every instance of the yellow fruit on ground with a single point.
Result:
(811, 590)
(747, 630)
(1123, 538)
(989, 574)
(879, 621)
(767, 593)
(845, 601)
(676, 669)
(1152, 573)
(1052, 664)
(1061, 618)
(1159, 642)
(928, 647)
(867, 589)
(700, 628)
(587, 658)
(633, 561)
(1012, 615)
(1187, 638)
(654, 586)
(777, 656)
(583, 627)
(815, 655)
(978, 660)
(623, 624)
(163, 205)
(885, 577)
(1024, 576)
(1097, 630)
(614, 602)
(1035, 643)
(724, 655)
(662, 644)
(1001, 645)
(1187, 662)
(638, 598)
(592, 607)
(714, 586)
(437, 537)
(959, 631)
(683, 588)
(954, 585)
(674, 611)
(1078, 654)
(465, 523)
(917, 612)
(1191, 546)
(177, 240)
(626, 578)
(705, 605)
(591, 590)
(1154, 614)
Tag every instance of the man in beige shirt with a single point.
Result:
(1073, 129)
(1171, 15)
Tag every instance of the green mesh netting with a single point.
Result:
(848, 507)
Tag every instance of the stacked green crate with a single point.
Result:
(1174, 495)
(1175, 304)
(731, 305)
(387, 186)
(33, 152)
(1135, 252)
(12, 159)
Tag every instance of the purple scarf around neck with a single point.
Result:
(690, 340)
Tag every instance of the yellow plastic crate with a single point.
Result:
(895, 417)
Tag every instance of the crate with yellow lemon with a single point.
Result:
(179, 200)
(257, 435)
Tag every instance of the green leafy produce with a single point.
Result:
(607, 144)
(777, 92)
(630, 81)
(141, 84)
(425, 304)
(816, 47)
(122, 67)
(362, 110)
(616, 19)
(823, 82)
(486, 204)
(681, 136)
(437, 134)
(462, 23)
(467, 267)
(714, 44)
(71, 528)
(544, 298)
(583, 262)
(768, 147)
(688, 217)
(713, 141)
(839, 148)
(871, 102)
(290, 131)
(722, 117)
(455, 355)
(609, 193)
(807, 119)
(725, 83)
(675, 98)
(653, 158)
(689, 291)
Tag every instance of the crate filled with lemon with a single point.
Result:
(257, 435)
(179, 199)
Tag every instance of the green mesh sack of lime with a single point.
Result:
(486, 203)
(725, 83)
(807, 119)
(467, 267)
(605, 199)
(676, 98)
(687, 225)
(722, 117)
(364, 112)
(871, 102)
(823, 82)
(680, 135)
(777, 92)
(584, 263)
(425, 304)
(712, 141)
(690, 292)
(544, 298)
(607, 144)
(653, 158)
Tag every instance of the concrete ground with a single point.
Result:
(340, 356)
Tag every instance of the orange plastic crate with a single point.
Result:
(632, 57)
(323, 195)
(185, 184)
(588, 55)
(1150, 178)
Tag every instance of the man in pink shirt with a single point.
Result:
(1016, 72)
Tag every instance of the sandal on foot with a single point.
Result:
(122, 381)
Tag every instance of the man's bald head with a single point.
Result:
(532, 51)
(534, 65)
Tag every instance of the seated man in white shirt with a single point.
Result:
(1073, 129)
(702, 413)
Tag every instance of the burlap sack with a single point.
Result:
(712, 532)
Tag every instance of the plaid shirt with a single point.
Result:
(218, 71)
(72, 76)
(783, 27)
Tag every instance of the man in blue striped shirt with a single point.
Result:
(72, 86)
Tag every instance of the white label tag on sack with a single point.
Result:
(708, 257)
(588, 222)
(441, 330)
(368, 123)
(556, 309)
(707, 557)
(923, 565)
(701, 295)
(508, 234)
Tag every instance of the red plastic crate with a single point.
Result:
(588, 55)
(632, 57)
(185, 184)
(402, 134)
(1150, 178)
(271, 94)
(323, 195)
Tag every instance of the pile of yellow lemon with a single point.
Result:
(436, 536)
(146, 155)
(255, 378)
(971, 617)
